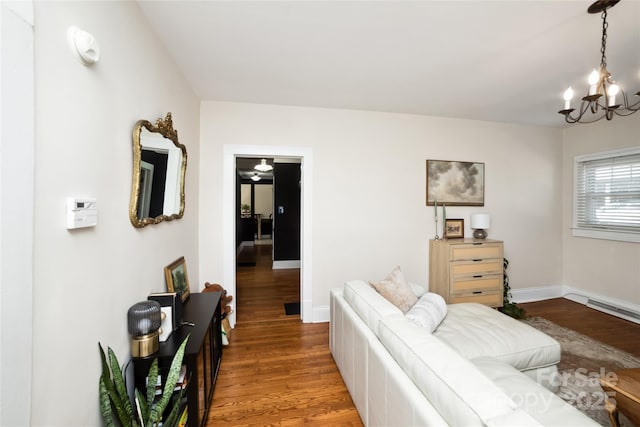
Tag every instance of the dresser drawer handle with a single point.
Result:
(477, 276)
(477, 260)
(477, 292)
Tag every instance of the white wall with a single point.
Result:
(601, 267)
(264, 201)
(85, 280)
(16, 211)
(369, 211)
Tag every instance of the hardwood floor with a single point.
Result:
(600, 326)
(278, 371)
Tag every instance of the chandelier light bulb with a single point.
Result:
(593, 82)
(612, 92)
(568, 94)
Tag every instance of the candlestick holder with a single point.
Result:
(437, 237)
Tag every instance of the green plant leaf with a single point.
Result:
(105, 366)
(105, 404)
(152, 381)
(118, 380)
(172, 419)
(170, 384)
(144, 407)
(511, 309)
(116, 399)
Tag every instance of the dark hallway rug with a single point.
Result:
(291, 308)
(583, 360)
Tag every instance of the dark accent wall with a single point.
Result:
(286, 214)
(159, 162)
(239, 224)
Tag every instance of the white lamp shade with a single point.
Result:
(480, 221)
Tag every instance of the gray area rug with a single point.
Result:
(582, 362)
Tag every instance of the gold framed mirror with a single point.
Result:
(159, 169)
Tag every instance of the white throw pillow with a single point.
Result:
(419, 290)
(395, 289)
(428, 312)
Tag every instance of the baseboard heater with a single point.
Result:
(613, 308)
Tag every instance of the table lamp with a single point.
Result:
(479, 223)
(144, 320)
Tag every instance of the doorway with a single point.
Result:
(305, 155)
(254, 209)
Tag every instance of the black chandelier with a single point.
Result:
(603, 92)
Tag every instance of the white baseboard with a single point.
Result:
(321, 314)
(536, 294)
(280, 265)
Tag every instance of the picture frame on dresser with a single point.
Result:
(453, 228)
(177, 278)
(455, 183)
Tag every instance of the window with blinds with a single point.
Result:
(607, 194)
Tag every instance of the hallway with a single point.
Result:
(277, 370)
(262, 291)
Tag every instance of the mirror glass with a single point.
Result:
(159, 167)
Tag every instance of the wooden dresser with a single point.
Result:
(467, 270)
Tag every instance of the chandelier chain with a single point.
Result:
(603, 48)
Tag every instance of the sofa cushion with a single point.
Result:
(369, 304)
(517, 418)
(428, 312)
(457, 389)
(475, 330)
(395, 288)
(530, 397)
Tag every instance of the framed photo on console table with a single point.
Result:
(171, 304)
(453, 183)
(177, 278)
(453, 228)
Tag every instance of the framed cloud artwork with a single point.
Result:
(455, 183)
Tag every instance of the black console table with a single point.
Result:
(202, 355)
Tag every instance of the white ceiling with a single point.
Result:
(505, 61)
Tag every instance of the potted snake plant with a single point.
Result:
(147, 409)
(508, 307)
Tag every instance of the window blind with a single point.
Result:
(608, 193)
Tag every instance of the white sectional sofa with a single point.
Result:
(478, 368)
